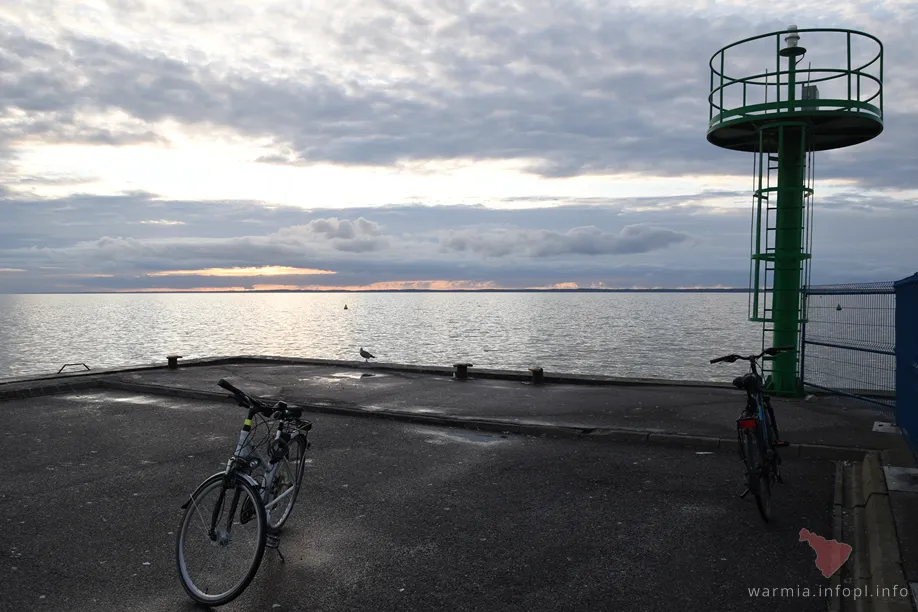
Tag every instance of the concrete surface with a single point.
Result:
(396, 516)
(875, 533)
(696, 411)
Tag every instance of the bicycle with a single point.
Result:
(757, 432)
(233, 515)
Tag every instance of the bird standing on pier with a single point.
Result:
(366, 355)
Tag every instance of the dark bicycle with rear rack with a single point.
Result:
(757, 432)
(233, 515)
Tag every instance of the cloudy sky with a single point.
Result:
(176, 144)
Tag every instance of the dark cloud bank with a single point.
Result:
(677, 243)
(590, 91)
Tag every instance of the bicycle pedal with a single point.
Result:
(782, 444)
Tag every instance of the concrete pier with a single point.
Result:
(423, 492)
(656, 411)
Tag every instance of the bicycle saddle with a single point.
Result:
(747, 382)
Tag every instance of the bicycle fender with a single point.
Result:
(245, 477)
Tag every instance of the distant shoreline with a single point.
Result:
(699, 290)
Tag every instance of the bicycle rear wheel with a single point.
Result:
(757, 479)
(286, 484)
(215, 566)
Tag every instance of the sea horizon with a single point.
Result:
(580, 290)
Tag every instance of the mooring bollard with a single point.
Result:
(538, 376)
(461, 370)
(172, 360)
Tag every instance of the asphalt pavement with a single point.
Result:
(396, 516)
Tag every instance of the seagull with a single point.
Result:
(366, 355)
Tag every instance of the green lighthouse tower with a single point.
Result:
(783, 114)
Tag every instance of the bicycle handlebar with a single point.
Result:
(280, 409)
(229, 387)
(769, 351)
(245, 400)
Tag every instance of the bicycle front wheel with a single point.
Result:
(221, 540)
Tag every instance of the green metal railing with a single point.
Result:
(864, 88)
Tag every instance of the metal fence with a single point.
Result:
(907, 359)
(848, 343)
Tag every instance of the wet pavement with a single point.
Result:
(399, 516)
(692, 410)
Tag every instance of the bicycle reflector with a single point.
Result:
(745, 423)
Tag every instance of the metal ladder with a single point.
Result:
(764, 228)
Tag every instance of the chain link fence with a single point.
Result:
(849, 339)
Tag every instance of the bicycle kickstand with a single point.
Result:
(274, 542)
(744, 493)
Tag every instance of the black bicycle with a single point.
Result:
(757, 432)
(233, 515)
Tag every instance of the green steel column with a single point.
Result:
(788, 247)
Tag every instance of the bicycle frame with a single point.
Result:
(761, 415)
(244, 454)
(241, 458)
(758, 418)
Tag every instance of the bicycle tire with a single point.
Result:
(197, 589)
(772, 425)
(756, 473)
(300, 461)
(774, 462)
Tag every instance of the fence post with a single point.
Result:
(907, 360)
(803, 353)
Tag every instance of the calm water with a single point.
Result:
(667, 335)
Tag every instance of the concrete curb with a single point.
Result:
(607, 434)
(878, 562)
(557, 378)
(21, 391)
(838, 505)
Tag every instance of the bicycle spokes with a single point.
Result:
(216, 559)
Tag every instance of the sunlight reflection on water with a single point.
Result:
(665, 335)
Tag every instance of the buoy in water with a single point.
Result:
(836, 308)
(345, 306)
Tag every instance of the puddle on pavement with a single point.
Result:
(438, 437)
(340, 376)
(102, 398)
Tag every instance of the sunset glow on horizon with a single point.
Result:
(260, 271)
